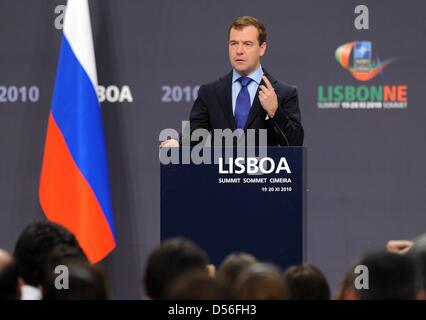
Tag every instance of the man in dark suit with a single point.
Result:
(248, 97)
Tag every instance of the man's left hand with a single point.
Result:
(268, 98)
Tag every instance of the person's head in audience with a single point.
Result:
(35, 244)
(171, 259)
(196, 284)
(260, 281)
(420, 261)
(75, 280)
(64, 252)
(418, 253)
(5, 259)
(347, 289)
(9, 286)
(389, 276)
(9, 289)
(305, 282)
(233, 265)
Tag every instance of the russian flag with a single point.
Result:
(74, 183)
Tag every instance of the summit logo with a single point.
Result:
(357, 58)
(362, 66)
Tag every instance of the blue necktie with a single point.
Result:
(242, 105)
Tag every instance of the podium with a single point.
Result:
(239, 206)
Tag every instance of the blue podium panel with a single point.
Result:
(224, 210)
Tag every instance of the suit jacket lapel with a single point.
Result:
(224, 93)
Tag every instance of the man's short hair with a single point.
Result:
(196, 284)
(34, 246)
(233, 265)
(260, 281)
(85, 282)
(305, 282)
(391, 277)
(245, 21)
(170, 260)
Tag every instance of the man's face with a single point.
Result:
(244, 49)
